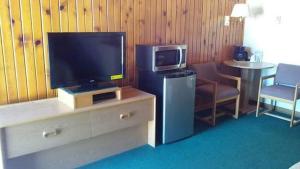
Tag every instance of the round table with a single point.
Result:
(250, 72)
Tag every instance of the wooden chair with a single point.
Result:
(284, 88)
(210, 83)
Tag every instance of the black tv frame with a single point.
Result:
(84, 85)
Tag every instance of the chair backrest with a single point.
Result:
(206, 70)
(287, 74)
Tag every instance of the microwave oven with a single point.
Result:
(161, 57)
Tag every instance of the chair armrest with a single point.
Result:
(267, 77)
(229, 77)
(296, 96)
(237, 79)
(209, 82)
(261, 82)
(205, 81)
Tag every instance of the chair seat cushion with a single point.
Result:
(279, 91)
(223, 91)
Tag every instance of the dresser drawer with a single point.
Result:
(41, 135)
(121, 116)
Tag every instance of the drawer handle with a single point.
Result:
(125, 116)
(47, 134)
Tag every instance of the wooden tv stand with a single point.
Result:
(50, 134)
(84, 99)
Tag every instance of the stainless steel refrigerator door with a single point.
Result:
(178, 108)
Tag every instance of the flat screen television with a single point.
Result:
(84, 59)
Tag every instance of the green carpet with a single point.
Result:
(247, 143)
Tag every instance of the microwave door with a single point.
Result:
(178, 49)
(167, 59)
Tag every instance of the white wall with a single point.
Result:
(273, 28)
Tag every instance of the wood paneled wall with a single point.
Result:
(24, 70)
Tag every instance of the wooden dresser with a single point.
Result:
(49, 134)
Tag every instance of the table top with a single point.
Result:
(20, 113)
(249, 65)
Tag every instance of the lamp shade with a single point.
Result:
(240, 10)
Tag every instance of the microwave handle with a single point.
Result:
(180, 59)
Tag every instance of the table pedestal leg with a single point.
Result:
(250, 84)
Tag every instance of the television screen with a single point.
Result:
(83, 58)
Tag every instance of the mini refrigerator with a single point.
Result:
(175, 95)
(178, 106)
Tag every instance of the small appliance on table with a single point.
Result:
(162, 71)
(240, 53)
